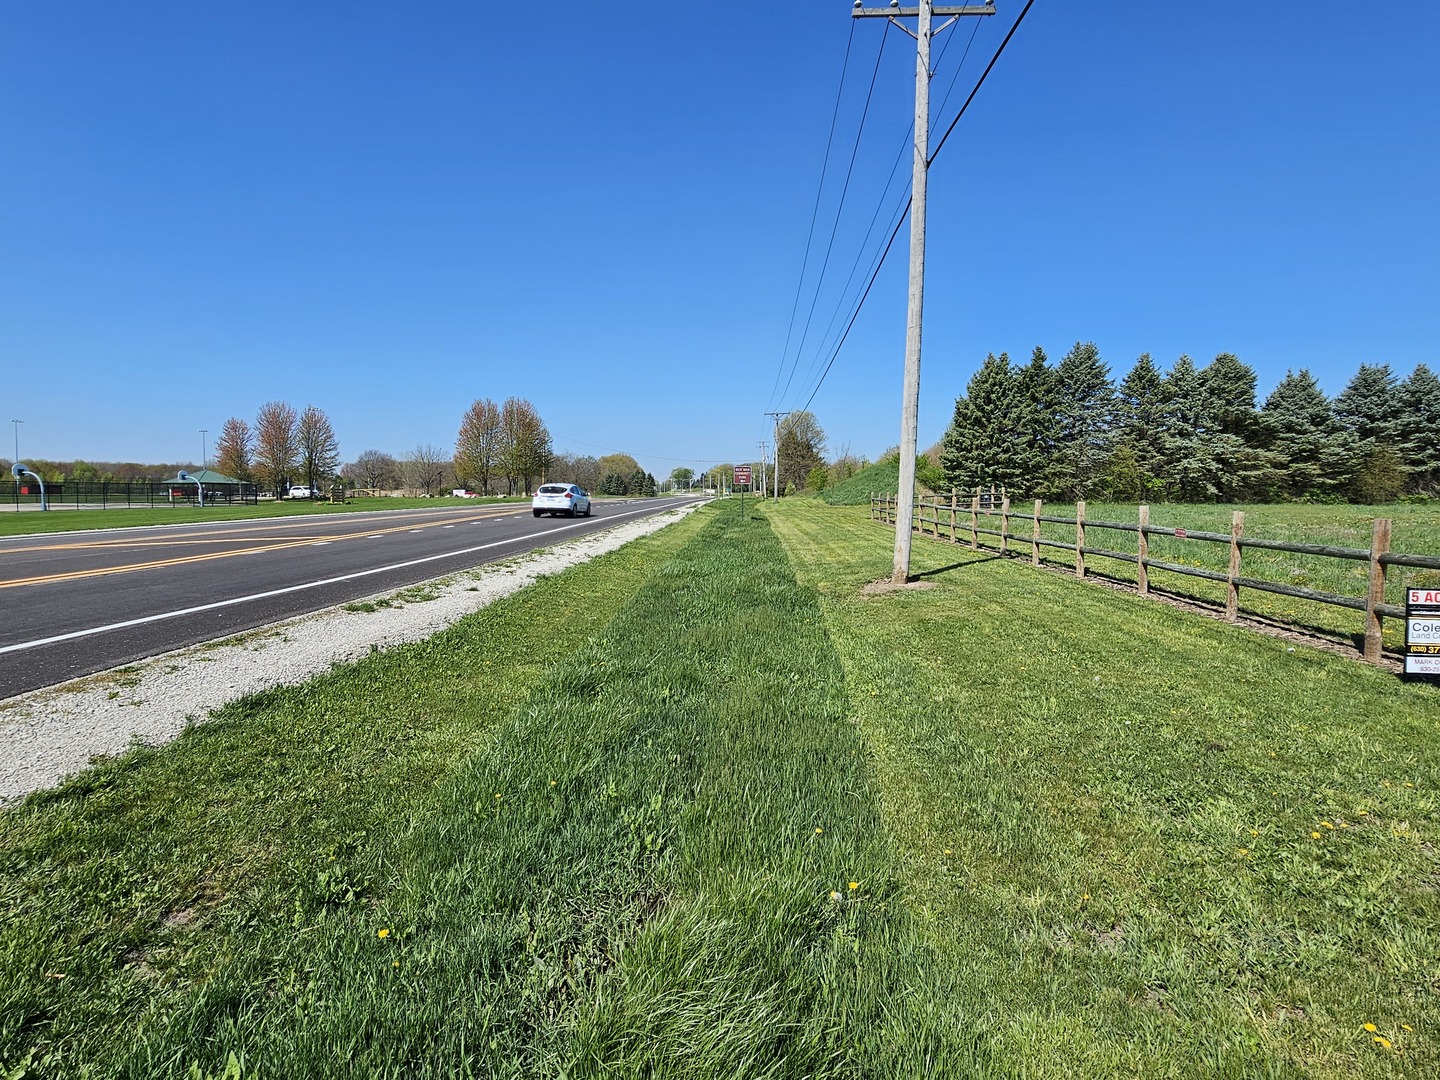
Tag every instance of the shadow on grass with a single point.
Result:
(976, 561)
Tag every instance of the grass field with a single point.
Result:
(1416, 531)
(30, 522)
(702, 808)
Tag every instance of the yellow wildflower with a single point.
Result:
(1371, 1028)
(498, 795)
(1383, 1041)
(1327, 824)
(383, 932)
(1314, 836)
(1407, 1027)
(834, 895)
(818, 830)
(854, 885)
(949, 852)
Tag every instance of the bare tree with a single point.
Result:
(233, 449)
(425, 468)
(276, 444)
(477, 448)
(373, 470)
(575, 469)
(319, 449)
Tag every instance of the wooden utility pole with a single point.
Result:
(778, 416)
(910, 404)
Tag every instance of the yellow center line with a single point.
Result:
(280, 545)
(241, 536)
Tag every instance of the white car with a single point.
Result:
(564, 499)
(299, 491)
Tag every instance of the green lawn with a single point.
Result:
(1416, 531)
(701, 808)
(30, 522)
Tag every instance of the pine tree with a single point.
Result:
(1085, 422)
(1133, 473)
(1304, 441)
(1419, 421)
(1037, 397)
(977, 450)
(1241, 469)
(1189, 466)
(1368, 412)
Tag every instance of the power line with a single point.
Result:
(815, 211)
(840, 207)
(896, 231)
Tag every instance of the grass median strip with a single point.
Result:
(1146, 843)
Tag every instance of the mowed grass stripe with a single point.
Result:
(1144, 842)
(646, 872)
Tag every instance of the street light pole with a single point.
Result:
(17, 424)
(204, 453)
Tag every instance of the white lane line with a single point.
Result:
(319, 543)
(377, 536)
(162, 616)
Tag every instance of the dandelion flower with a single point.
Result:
(552, 783)
(1362, 813)
(498, 795)
(396, 964)
(383, 932)
(854, 885)
(1314, 836)
(1242, 851)
(1371, 1028)
(949, 852)
(818, 830)
(1383, 1041)
(1254, 832)
(1407, 1027)
(1325, 823)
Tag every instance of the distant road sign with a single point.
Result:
(742, 474)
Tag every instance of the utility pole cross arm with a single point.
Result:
(942, 10)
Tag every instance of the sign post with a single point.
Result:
(1422, 633)
(742, 476)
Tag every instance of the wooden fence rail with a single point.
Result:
(942, 518)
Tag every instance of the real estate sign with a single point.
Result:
(1422, 632)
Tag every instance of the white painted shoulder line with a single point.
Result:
(21, 646)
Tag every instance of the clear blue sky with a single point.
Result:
(388, 210)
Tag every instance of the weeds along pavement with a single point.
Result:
(701, 808)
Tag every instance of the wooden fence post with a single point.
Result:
(1080, 538)
(1005, 525)
(953, 508)
(1142, 550)
(975, 521)
(1379, 545)
(1232, 590)
(1035, 537)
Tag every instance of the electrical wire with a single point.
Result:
(840, 208)
(896, 231)
(815, 211)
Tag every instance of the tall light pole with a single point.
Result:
(910, 402)
(777, 417)
(17, 424)
(204, 459)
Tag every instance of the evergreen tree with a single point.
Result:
(1368, 412)
(1304, 441)
(1419, 421)
(1235, 437)
(1133, 473)
(977, 449)
(1085, 421)
(1037, 397)
(1189, 466)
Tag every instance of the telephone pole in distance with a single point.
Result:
(910, 403)
(778, 416)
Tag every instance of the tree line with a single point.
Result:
(1191, 434)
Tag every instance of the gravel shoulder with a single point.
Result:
(51, 734)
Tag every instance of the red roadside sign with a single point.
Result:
(742, 474)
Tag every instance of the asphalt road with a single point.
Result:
(75, 603)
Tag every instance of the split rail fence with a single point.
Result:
(974, 522)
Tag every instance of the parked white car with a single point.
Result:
(564, 499)
(300, 491)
